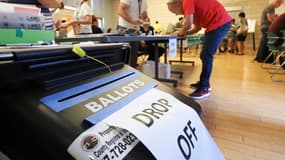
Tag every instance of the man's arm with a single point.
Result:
(122, 12)
(193, 30)
(187, 28)
(270, 17)
(144, 15)
(85, 20)
(51, 3)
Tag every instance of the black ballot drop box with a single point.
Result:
(44, 89)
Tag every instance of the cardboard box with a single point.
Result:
(148, 68)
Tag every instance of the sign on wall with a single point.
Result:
(251, 25)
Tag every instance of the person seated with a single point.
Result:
(148, 46)
(109, 30)
(95, 28)
(157, 27)
(277, 26)
(170, 29)
(179, 24)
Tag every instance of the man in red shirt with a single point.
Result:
(212, 16)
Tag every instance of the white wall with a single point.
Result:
(105, 9)
(158, 11)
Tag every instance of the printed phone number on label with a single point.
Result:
(122, 147)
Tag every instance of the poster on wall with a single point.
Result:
(251, 25)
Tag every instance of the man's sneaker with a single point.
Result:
(200, 94)
(196, 85)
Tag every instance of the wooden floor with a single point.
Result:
(245, 113)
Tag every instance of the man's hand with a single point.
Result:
(137, 22)
(176, 33)
(67, 24)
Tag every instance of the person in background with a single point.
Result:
(82, 19)
(180, 23)
(157, 27)
(170, 28)
(131, 15)
(217, 23)
(95, 28)
(241, 36)
(267, 17)
(277, 26)
(109, 30)
(148, 46)
(231, 37)
(228, 42)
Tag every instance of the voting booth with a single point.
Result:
(57, 105)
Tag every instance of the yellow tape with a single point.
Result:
(79, 51)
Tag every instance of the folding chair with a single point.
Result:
(143, 55)
(195, 40)
(281, 69)
(192, 40)
(275, 51)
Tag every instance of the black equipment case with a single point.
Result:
(30, 128)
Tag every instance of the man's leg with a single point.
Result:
(211, 43)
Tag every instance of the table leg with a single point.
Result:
(253, 41)
(181, 49)
(133, 56)
(156, 60)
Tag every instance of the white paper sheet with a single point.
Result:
(167, 127)
(172, 47)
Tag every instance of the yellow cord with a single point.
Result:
(81, 53)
